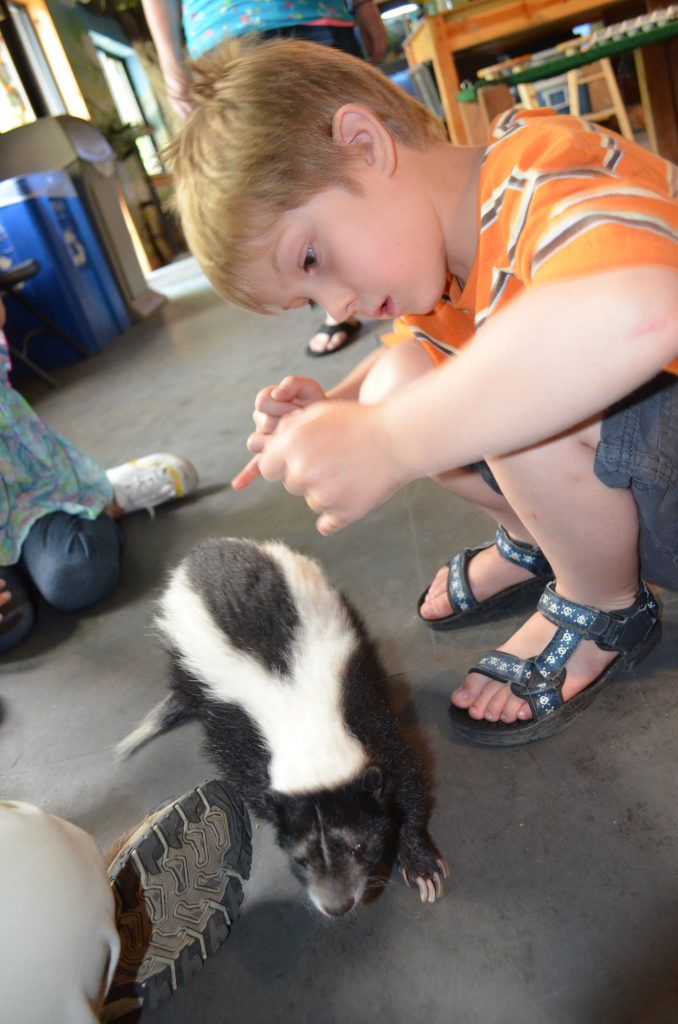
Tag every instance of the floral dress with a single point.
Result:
(40, 472)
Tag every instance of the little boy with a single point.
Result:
(556, 250)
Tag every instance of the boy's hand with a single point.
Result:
(270, 405)
(339, 456)
(292, 393)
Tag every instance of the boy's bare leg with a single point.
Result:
(392, 369)
(488, 572)
(588, 532)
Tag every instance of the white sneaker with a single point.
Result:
(152, 480)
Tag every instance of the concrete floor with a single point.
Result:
(562, 907)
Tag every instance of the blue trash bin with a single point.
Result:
(42, 218)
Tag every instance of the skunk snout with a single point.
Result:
(337, 909)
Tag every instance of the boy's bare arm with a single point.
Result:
(556, 356)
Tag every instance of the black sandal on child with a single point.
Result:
(465, 607)
(632, 632)
(17, 617)
(350, 329)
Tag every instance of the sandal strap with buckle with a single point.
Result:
(612, 631)
(539, 680)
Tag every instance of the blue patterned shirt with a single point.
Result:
(208, 22)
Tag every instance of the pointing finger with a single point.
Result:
(327, 524)
(247, 475)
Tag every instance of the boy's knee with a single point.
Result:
(398, 367)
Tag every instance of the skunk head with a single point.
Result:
(335, 839)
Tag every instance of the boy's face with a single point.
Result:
(378, 255)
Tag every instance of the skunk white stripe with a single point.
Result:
(299, 715)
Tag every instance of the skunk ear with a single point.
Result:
(373, 780)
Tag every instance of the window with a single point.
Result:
(15, 107)
(123, 74)
(36, 60)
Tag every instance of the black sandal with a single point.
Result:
(632, 632)
(350, 329)
(466, 608)
(17, 617)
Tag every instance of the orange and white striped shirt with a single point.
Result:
(559, 198)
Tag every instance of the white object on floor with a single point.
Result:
(152, 480)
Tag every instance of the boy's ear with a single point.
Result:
(353, 125)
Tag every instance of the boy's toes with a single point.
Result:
(518, 709)
(495, 708)
(436, 604)
(490, 697)
(466, 694)
(484, 698)
(507, 708)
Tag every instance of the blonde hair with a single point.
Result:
(259, 143)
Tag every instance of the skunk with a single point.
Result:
(278, 668)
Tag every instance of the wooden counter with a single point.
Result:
(514, 24)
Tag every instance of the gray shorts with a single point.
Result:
(638, 449)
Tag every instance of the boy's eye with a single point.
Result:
(310, 259)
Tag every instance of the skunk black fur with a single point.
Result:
(278, 668)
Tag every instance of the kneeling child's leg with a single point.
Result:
(73, 562)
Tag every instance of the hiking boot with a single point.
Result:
(177, 879)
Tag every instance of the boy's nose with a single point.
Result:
(340, 306)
